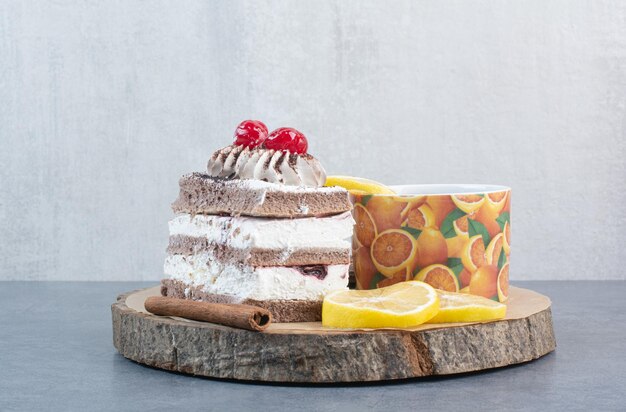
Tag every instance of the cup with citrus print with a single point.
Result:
(454, 237)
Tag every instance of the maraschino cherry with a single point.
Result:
(250, 133)
(287, 138)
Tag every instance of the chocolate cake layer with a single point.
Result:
(203, 194)
(282, 310)
(190, 245)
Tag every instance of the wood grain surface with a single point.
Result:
(308, 352)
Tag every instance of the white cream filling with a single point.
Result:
(261, 283)
(253, 184)
(250, 232)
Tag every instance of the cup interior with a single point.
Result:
(447, 189)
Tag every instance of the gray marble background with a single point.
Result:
(104, 104)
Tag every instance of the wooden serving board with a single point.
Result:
(308, 352)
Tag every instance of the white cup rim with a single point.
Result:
(446, 189)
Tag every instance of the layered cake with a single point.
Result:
(260, 228)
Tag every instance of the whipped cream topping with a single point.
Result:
(274, 166)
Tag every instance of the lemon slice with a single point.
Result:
(359, 185)
(401, 305)
(460, 307)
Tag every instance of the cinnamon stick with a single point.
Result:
(238, 316)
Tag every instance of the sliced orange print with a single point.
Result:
(473, 255)
(364, 229)
(440, 277)
(392, 251)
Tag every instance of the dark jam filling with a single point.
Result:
(318, 271)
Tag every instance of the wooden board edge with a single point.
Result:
(163, 343)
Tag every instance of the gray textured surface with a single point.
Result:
(103, 105)
(56, 353)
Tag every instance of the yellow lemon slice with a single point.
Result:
(401, 305)
(460, 307)
(359, 185)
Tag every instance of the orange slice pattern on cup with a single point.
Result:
(483, 282)
(464, 278)
(364, 266)
(411, 202)
(494, 249)
(440, 277)
(496, 200)
(507, 238)
(419, 217)
(392, 251)
(461, 226)
(431, 248)
(468, 203)
(456, 245)
(487, 216)
(503, 283)
(365, 229)
(386, 212)
(399, 276)
(441, 205)
(473, 255)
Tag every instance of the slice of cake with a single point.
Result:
(205, 194)
(259, 228)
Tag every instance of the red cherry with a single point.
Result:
(250, 133)
(287, 138)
